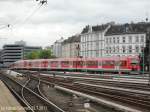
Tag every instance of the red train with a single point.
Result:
(112, 64)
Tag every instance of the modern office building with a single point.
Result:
(1, 61)
(14, 52)
(29, 49)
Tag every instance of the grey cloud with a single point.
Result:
(65, 17)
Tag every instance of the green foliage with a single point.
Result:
(42, 54)
(33, 55)
(45, 54)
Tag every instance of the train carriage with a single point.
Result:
(110, 64)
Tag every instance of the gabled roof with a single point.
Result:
(133, 28)
(94, 28)
(72, 39)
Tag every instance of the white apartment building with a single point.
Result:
(124, 45)
(93, 41)
(71, 47)
(113, 40)
(57, 48)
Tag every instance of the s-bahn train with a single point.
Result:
(111, 64)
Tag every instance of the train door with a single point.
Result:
(117, 64)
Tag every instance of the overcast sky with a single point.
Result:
(41, 26)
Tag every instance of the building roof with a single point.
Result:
(132, 28)
(33, 47)
(72, 39)
(94, 28)
(12, 45)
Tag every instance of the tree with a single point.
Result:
(33, 55)
(42, 54)
(45, 54)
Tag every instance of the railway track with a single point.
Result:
(32, 101)
(117, 96)
(117, 84)
(142, 101)
(131, 98)
(136, 100)
(65, 101)
(106, 82)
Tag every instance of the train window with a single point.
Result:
(74, 63)
(123, 63)
(25, 63)
(54, 63)
(84, 63)
(45, 63)
(65, 63)
(30, 64)
(134, 62)
(92, 63)
(117, 63)
(108, 63)
(36, 63)
(100, 63)
(78, 63)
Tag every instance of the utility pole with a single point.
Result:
(149, 57)
(148, 38)
(142, 56)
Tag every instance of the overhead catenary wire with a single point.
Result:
(21, 22)
(30, 15)
(5, 26)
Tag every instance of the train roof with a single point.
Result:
(81, 59)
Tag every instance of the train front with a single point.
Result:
(135, 64)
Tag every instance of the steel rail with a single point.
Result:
(129, 100)
(57, 109)
(18, 96)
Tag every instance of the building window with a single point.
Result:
(110, 50)
(110, 40)
(117, 48)
(117, 39)
(106, 40)
(142, 38)
(137, 39)
(130, 39)
(130, 49)
(137, 49)
(97, 44)
(123, 39)
(106, 50)
(88, 38)
(97, 54)
(100, 37)
(114, 50)
(123, 49)
(114, 40)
